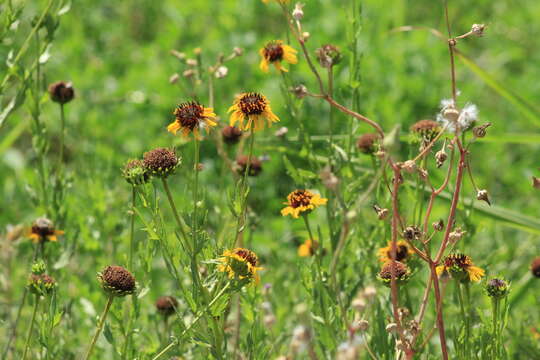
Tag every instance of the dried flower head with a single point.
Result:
(61, 92)
(368, 143)
(231, 134)
(460, 267)
(456, 121)
(483, 195)
(481, 130)
(135, 172)
(255, 108)
(440, 157)
(381, 213)
(274, 52)
(412, 232)
(161, 162)
(478, 29)
(240, 264)
(43, 230)
(299, 91)
(166, 305)
(438, 225)
(401, 271)
(308, 248)
(328, 55)
(426, 130)
(255, 165)
(456, 235)
(117, 281)
(497, 288)
(300, 201)
(41, 284)
(535, 267)
(403, 252)
(190, 117)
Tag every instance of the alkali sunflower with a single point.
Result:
(300, 201)
(460, 267)
(274, 52)
(189, 118)
(240, 264)
(403, 252)
(255, 108)
(43, 230)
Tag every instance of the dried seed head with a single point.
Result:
(497, 288)
(188, 73)
(281, 132)
(440, 157)
(368, 143)
(191, 62)
(370, 292)
(231, 134)
(360, 325)
(478, 29)
(177, 54)
(456, 235)
(329, 179)
(426, 129)
(412, 233)
(161, 162)
(300, 91)
(61, 92)
(400, 270)
(483, 195)
(255, 166)
(117, 281)
(438, 225)
(451, 114)
(135, 172)
(221, 72)
(481, 130)
(381, 213)
(238, 51)
(535, 267)
(166, 305)
(328, 55)
(409, 166)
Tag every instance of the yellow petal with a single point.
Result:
(289, 54)
(173, 127)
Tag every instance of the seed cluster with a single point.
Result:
(400, 269)
(189, 114)
(252, 104)
(117, 281)
(160, 162)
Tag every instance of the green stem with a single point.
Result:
(495, 304)
(194, 223)
(243, 196)
(132, 228)
(99, 327)
(29, 335)
(62, 138)
(175, 212)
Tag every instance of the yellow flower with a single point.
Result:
(255, 108)
(403, 252)
(308, 248)
(274, 53)
(43, 230)
(461, 267)
(301, 201)
(240, 264)
(190, 116)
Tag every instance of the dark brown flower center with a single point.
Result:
(300, 198)
(460, 260)
(273, 52)
(118, 278)
(399, 268)
(159, 159)
(401, 252)
(252, 104)
(43, 227)
(189, 114)
(247, 255)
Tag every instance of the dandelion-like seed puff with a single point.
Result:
(300, 201)
(251, 110)
(274, 52)
(461, 267)
(189, 118)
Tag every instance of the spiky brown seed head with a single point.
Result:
(426, 129)
(402, 272)
(255, 166)
(161, 162)
(117, 281)
(231, 134)
(166, 305)
(135, 172)
(41, 284)
(497, 288)
(535, 267)
(368, 143)
(61, 92)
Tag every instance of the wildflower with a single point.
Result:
(161, 162)
(300, 201)
(43, 230)
(457, 121)
(403, 252)
(231, 134)
(255, 165)
(253, 106)
(497, 288)
(401, 271)
(240, 264)
(117, 281)
(368, 143)
(61, 92)
(308, 248)
(461, 267)
(135, 173)
(166, 305)
(274, 52)
(328, 55)
(426, 130)
(190, 116)
(535, 267)
(483, 195)
(41, 284)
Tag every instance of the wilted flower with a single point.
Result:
(460, 267)
(161, 162)
(255, 108)
(43, 230)
(61, 92)
(190, 117)
(300, 201)
(274, 52)
(117, 281)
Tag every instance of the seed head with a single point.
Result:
(426, 129)
(438, 225)
(61, 92)
(483, 195)
(481, 130)
(221, 72)
(166, 305)
(535, 267)
(161, 162)
(117, 281)
(409, 166)
(440, 157)
(255, 166)
(497, 288)
(400, 269)
(231, 134)
(478, 29)
(456, 235)
(368, 143)
(300, 91)
(135, 172)
(381, 213)
(412, 233)
(328, 55)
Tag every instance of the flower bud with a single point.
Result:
(478, 29)
(483, 195)
(61, 92)
(497, 288)
(135, 172)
